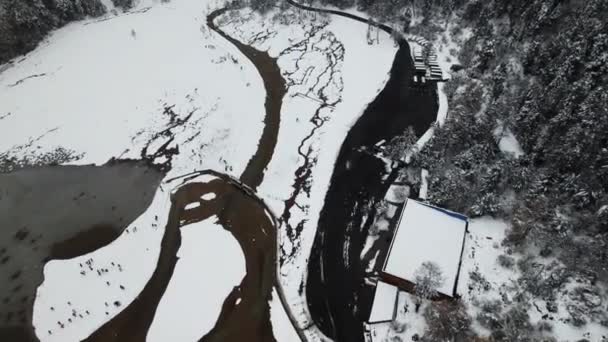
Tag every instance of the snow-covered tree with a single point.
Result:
(427, 278)
(400, 145)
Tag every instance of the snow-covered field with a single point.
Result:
(106, 88)
(96, 98)
(108, 99)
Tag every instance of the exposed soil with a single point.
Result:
(245, 315)
(56, 213)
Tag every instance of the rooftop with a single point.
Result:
(427, 233)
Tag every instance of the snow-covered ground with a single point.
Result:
(406, 324)
(484, 278)
(98, 98)
(147, 68)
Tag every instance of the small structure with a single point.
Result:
(385, 302)
(426, 233)
(419, 65)
(426, 66)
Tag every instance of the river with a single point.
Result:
(245, 314)
(338, 298)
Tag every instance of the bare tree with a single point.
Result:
(428, 278)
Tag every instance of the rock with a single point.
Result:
(552, 307)
(415, 337)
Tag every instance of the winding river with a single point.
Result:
(338, 298)
(245, 314)
(274, 83)
(335, 288)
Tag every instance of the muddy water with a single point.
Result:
(274, 83)
(245, 314)
(60, 212)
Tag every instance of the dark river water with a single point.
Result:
(338, 298)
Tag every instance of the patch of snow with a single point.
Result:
(507, 142)
(369, 243)
(406, 319)
(208, 197)
(281, 325)
(482, 249)
(199, 284)
(361, 85)
(192, 205)
(108, 4)
(424, 183)
(372, 262)
(107, 100)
